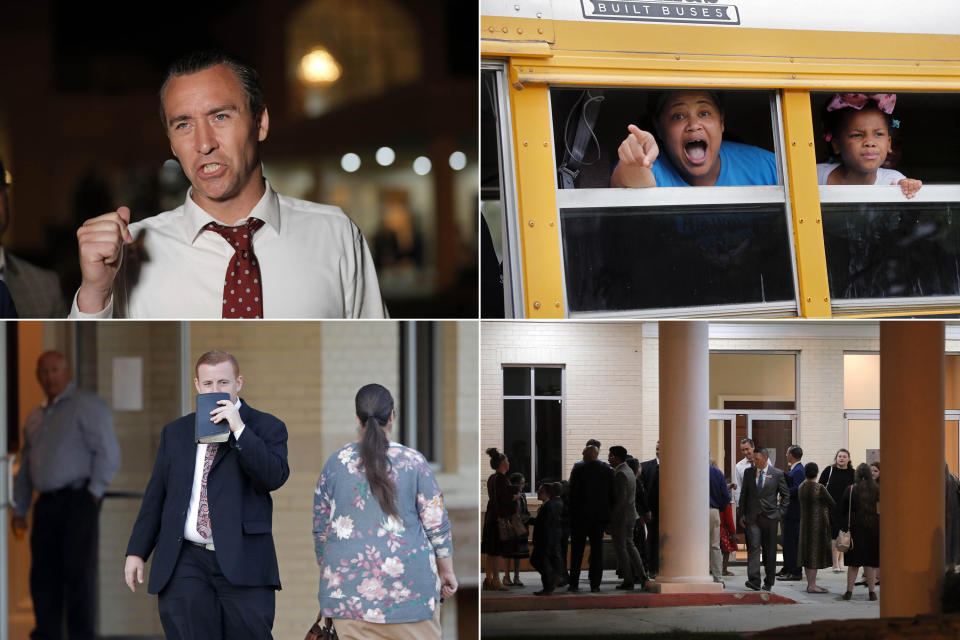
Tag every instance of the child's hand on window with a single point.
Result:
(909, 186)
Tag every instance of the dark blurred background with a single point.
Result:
(80, 132)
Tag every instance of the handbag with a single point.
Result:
(322, 632)
(511, 528)
(845, 538)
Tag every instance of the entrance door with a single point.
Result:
(775, 434)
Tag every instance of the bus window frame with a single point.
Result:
(850, 194)
(695, 196)
(509, 206)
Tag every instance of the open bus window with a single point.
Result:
(642, 251)
(590, 124)
(880, 245)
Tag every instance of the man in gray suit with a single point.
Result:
(763, 502)
(35, 291)
(623, 515)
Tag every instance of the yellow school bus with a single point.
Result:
(561, 80)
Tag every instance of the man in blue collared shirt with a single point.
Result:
(70, 454)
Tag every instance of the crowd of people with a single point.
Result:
(812, 512)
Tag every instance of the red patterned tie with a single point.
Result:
(242, 289)
(203, 511)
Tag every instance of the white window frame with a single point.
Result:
(512, 255)
(532, 397)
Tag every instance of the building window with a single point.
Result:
(421, 391)
(533, 422)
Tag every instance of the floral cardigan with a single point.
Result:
(376, 567)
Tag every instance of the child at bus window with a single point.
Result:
(858, 127)
(689, 125)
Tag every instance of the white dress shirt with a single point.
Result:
(193, 511)
(314, 263)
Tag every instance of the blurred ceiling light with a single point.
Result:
(421, 166)
(458, 160)
(350, 162)
(319, 67)
(385, 156)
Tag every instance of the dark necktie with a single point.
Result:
(242, 288)
(759, 479)
(203, 511)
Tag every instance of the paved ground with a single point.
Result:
(584, 623)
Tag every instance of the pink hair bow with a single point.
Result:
(885, 101)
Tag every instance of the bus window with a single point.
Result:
(882, 249)
(641, 251)
(590, 124)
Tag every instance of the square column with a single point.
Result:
(912, 451)
(685, 459)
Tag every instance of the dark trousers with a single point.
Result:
(762, 535)
(547, 562)
(791, 544)
(640, 539)
(63, 544)
(653, 546)
(564, 542)
(578, 539)
(200, 604)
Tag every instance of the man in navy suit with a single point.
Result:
(650, 475)
(214, 564)
(591, 495)
(763, 501)
(791, 521)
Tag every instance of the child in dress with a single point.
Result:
(858, 127)
(521, 547)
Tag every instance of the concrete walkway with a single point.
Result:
(584, 623)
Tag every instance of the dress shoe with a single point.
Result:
(573, 588)
(767, 587)
(729, 573)
(782, 573)
(860, 583)
(626, 586)
(752, 585)
(792, 578)
(544, 592)
(594, 589)
(847, 595)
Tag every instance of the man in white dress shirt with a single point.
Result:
(312, 259)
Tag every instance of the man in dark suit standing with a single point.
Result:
(650, 474)
(207, 515)
(764, 500)
(623, 515)
(591, 494)
(791, 521)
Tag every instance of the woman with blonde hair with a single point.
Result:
(382, 534)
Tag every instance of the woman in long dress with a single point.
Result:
(816, 503)
(859, 506)
(500, 504)
(836, 478)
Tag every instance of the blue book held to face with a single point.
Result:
(208, 431)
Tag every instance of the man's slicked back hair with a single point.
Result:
(197, 61)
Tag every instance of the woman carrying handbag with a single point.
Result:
(860, 501)
(382, 535)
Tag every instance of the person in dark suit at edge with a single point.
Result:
(650, 474)
(214, 566)
(764, 500)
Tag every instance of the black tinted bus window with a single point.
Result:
(676, 256)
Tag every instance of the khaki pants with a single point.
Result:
(716, 558)
(363, 630)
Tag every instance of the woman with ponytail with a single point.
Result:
(381, 533)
